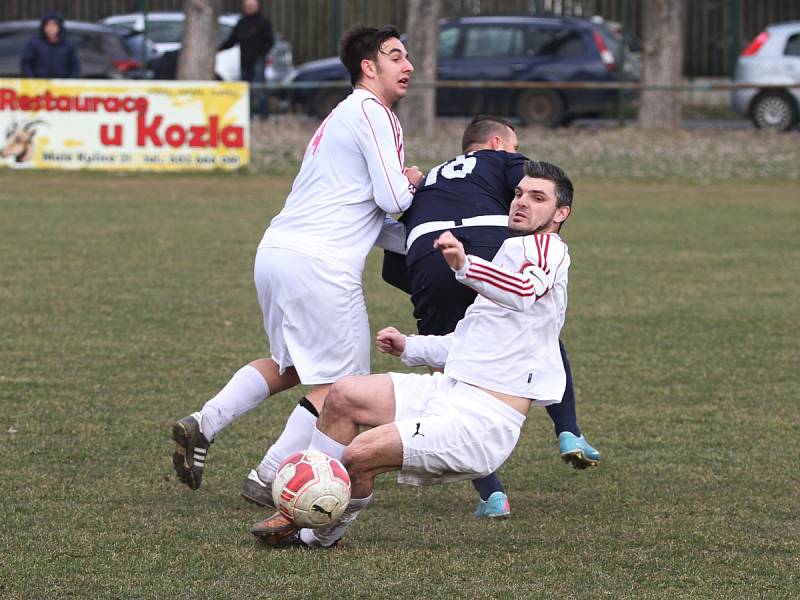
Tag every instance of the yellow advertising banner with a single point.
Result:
(124, 125)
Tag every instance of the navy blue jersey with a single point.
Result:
(477, 184)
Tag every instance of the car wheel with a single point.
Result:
(541, 107)
(325, 101)
(774, 111)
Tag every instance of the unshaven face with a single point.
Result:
(534, 210)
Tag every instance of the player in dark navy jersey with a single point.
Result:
(470, 196)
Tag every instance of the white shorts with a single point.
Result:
(450, 430)
(314, 315)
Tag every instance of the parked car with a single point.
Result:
(502, 48)
(103, 52)
(166, 28)
(633, 59)
(772, 58)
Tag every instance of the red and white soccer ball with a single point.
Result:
(311, 489)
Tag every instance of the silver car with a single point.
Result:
(771, 59)
(165, 29)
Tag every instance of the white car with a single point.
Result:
(164, 29)
(772, 60)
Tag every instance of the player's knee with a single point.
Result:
(343, 399)
(338, 400)
(357, 459)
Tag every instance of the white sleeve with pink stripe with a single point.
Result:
(538, 263)
(382, 147)
(427, 350)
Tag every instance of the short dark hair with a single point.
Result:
(362, 42)
(481, 128)
(544, 170)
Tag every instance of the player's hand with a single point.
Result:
(539, 278)
(391, 341)
(452, 250)
(414, 176)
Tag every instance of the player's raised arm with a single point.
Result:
(382, 145)
(452, 250)
(547, 256)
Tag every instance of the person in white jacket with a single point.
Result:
(309, 264)
(502, 357)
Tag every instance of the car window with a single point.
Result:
(563, 43)
(12, 44)
(448, 40)
(494, 41)
(793, 45)
(125, 23)
(114, 47)
(165, 32)
(539, 37)
(84, 41)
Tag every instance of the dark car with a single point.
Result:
(502, 48)
(103, 52)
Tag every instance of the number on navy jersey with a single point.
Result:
(458, 168)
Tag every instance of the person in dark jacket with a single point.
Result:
(253, 34)
(49, 54)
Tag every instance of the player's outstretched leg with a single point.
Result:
(257, 491)
(493, 500)
(193, 434)
(276, 531)
(577, 451)
(191, 447)
(249, 387)
(296, 436)
(573, 447)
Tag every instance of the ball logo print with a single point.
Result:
(311, 489)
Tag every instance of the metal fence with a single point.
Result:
(716, 29)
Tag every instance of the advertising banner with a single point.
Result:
(124, 125)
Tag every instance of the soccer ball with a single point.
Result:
(311, 489)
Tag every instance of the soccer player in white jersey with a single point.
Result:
(502, 357)
(308, 267)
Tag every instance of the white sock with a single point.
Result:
(295, 436)
(245, 390)
(322, 443)
(324, 537)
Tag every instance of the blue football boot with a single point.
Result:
(577, 451)
(496, 506)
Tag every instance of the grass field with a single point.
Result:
(127, 301)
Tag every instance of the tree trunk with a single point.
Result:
(663, 63)
(200, 40)
(418, 109)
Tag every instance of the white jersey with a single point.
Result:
(508, 339)
(350, 178)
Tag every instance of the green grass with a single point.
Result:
(127, 301)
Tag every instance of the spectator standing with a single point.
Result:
(253, 34)
(49, 54)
